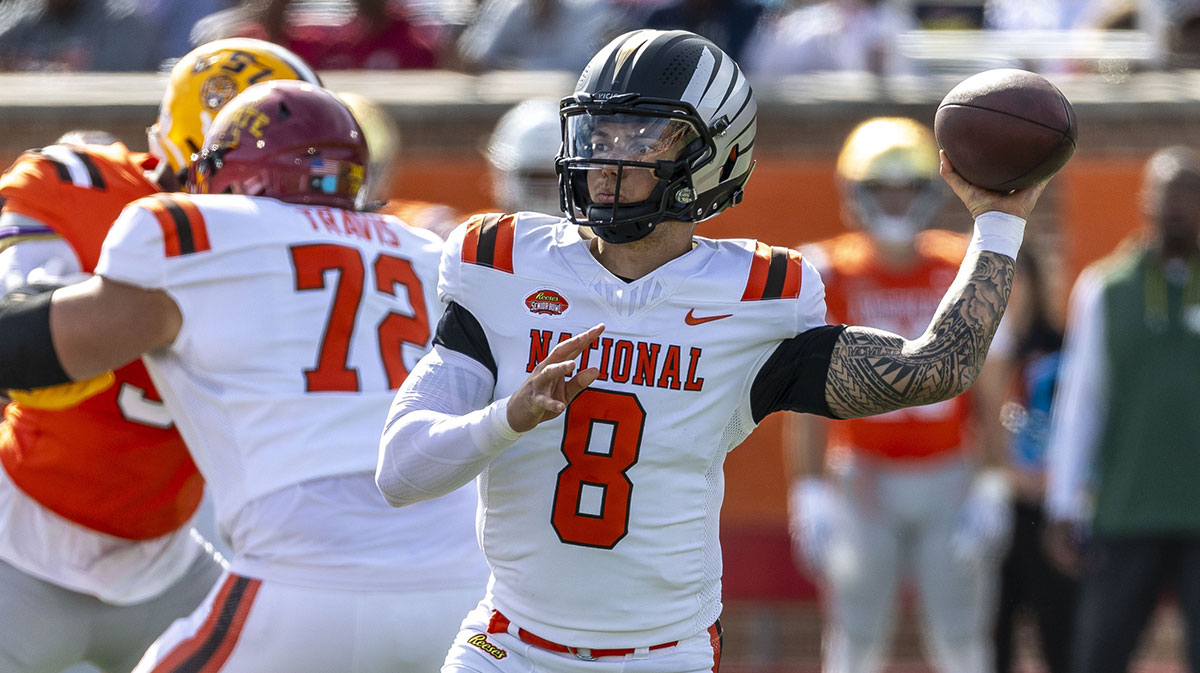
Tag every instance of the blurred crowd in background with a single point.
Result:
(767, 37)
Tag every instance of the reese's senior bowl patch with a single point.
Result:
(547, 302)
(479, 640)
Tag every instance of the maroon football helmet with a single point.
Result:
(287, 140)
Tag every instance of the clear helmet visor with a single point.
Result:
(622, 156)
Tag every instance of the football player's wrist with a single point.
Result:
(998, 232)
(492, 431)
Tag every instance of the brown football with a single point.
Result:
(1006, 129)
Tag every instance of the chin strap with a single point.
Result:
(622, 233)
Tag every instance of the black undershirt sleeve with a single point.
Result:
(27, 355)
(459, 331)
(793, 378)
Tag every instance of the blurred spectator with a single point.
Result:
(537, 34)
(170, 22)
(917, 493)
(522, 151)
(1027, 346)
(1123, 456)
(77, 35)
(728, 23)
(373, 34)
(835, 35)
(1183, 37)
(1034, 14)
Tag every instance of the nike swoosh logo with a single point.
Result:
(691, 319)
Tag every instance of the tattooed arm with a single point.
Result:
(872, 371)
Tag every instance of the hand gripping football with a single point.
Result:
(1006, 129)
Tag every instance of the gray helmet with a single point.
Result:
(666, 104)
(522, 152)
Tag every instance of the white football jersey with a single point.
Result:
(299, 322)
(601, 526)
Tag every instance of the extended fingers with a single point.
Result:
(553, 374)
(580, 381)
(571, 348)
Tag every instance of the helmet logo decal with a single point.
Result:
(326, 175)
(249, 120)
(547, 302)
(217, 91)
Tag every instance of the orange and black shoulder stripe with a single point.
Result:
(78, 159)
(182, 224)
(489, 241)
(207, 650)
(775, 273)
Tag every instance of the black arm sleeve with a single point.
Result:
(793, 378)
(27, 355)
(459, 331)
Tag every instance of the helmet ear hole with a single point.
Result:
(730, 162)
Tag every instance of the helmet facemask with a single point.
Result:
(894, 212)
(626, 167)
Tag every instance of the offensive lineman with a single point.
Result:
(97, 491)
(276, 320)
(601, 480)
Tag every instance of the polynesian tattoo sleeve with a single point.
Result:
(872, 371)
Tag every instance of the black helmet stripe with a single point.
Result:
(749, 99)
(733, 83)
(607, 74)
(712, 76)
(742, 133)
(638, 74)
(659, 50)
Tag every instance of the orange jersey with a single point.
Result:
(436, 217)
(860, 291)
(77, 190)
(114, 462)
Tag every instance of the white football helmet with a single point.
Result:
(888, 175)
(666, 108)
(521, 152)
